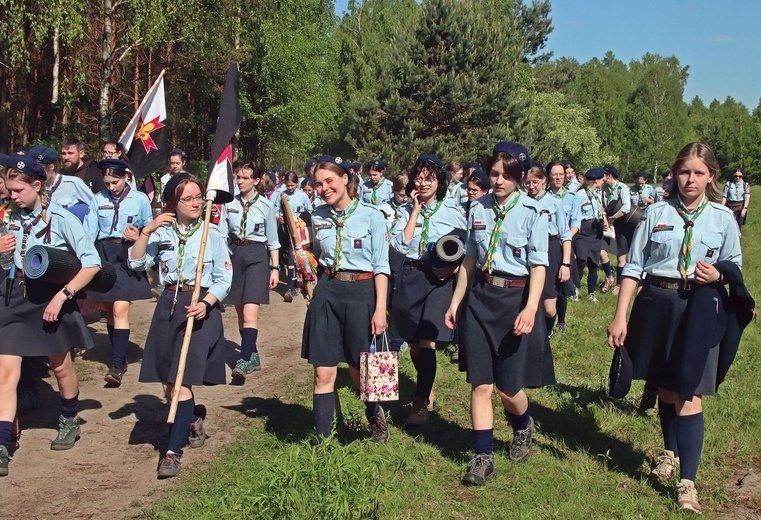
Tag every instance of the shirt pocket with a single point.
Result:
(662, 244)
(105, 219)
(516, 247)
(208, 267)
(356, 241)
(709, 248)
(167, 260)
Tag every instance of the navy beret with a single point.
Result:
(309, 164)
(27, 165)
(641, 174)
(620, 374)
(472, 164)
(345, 165)
(429, 157)
(568, 164)
(20, 150)
(539, 165)
(667, 184)
(114, 164)
(171, 186)
(43, 154)
(375, 163)
(279, 169)
(479, 174)
(4, 159)
(179, 152)
(609, 168)
(515, 150)
(272, 176)
(594, 174)
(740, 170)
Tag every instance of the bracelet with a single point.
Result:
(66, 292)
(142, 232)
(208, 306)
(274, 268)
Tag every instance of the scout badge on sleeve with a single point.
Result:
(379, 373)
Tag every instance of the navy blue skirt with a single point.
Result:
(489, 351)
(588, 242)
(420, 302)
(206, 356)
(251, 275)
(552, 285)
(130, 285)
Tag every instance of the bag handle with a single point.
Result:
(384, 346)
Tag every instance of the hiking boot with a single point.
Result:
(522, 443)
(243, 367)
(379, 427)
(26, 401)
(288, 297)
(609, 282)
(4, 459)
(114, 375)
(592, 298)
(68, 433)
(170, 466)
(687, 497)
(665, 466)
(480, 469)
(454, 357)
(196, 432)
(574, 297)
(616, 290)
(419, 413)
(562, 326)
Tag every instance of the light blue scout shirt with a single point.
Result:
(66, 232)
(384, 192)
(735, 192)
(574, 185)
(619, 191)
(571, 207)
(590, 205)
(164, 245)
(363, 244)
(68, 190)
(261, 225)
(458, 192)
(648, 192)
(658, 239)
(557, 223)
(134, 210)
(523, 239)
(297, 200)
(448, 217)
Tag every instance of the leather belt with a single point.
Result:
(346, 276)
(671, 283)
(555, 236)
(183, 288)
(115, 240)
(505, 283)
(241, 242)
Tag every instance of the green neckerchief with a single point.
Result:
(689, 222)
(427, 213)
(499, 214)
(244, 218)
(339, 221)
(592, 195)
(181, 248)
(374, 196)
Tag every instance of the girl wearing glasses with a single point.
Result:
(174, 238)
(114, 219)
(737, 196)
(422, 293)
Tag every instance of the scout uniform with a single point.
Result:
(551, 207)
(637, 192)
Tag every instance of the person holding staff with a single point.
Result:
(253, 229)
(41, 319)
(174, 238)
(422, 293)
(503, 340)
(677, 247)
(349, 302)
(299, 203)
(114, 219)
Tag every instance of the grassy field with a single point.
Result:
(590, 456)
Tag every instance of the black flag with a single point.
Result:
(220, 183)
(145, 137)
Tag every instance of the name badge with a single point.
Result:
(419, 224)
(479, 227)
(232, 210)
(105, 206)
(166, 246)
(662, 227)
(357, 243)
(324, 225)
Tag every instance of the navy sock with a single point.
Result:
(592, 279)
(606, 269)
(483, 441)
(178, 431)
(667, 417)
(26, 381)
(619, 270)
(248, 343)
(426, 372)
(70, 407)
(519, 422)
(291, 277)
(110, 329)
(689, 437)
(119, 347)
(562, 307)
(371, 411)
(324, 409)
(6, 432)
(415, 359)
(550, 322)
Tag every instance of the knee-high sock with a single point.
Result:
(6, 432)
(592, 279)
(562, 307)
(324, 409)
(689, 437)
(550, 322)
(70, 407)
(178, 432)
(426, 372)
(110, 330)
(606, 269)
(667, 417)
(248, 343)
(619, 270)
(119, 347)
(483, 441)
(519, 422)
(26, 381)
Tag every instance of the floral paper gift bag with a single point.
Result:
(379, 374)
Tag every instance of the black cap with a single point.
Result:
(472, 164)
(641, 174)
(171, 186)
(375, 163)
(429, 158)
(481, 176)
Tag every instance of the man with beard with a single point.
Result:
(75, 163)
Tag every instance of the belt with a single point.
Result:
(346, 276)
(183, 288)
(505, 283)
(241, 242)
(671, 283)
(114, 240)
(555, 236)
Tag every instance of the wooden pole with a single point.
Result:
(191, 320)
(290, 220)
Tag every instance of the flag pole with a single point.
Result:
(193, 301)
(142, 104)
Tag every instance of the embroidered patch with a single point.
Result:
(419, 224)
(357, 243)
(13, 227)
(164, 267)
(709, 253)
(549, 217)
(232, 210)
(477, 222)
(662, 227)
(130, 219)
(517, 252)
(166, 246)
(324, 225)
(105, 206)
(257, 227)
(228, 265)
(479, 227)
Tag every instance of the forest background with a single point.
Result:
(388, 79)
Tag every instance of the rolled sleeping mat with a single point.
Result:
(79, 210)
(628, 223)
(449, 249)
(59, 267)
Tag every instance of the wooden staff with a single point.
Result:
(191, 320)
(298, 247)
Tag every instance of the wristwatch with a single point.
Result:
(69, 295)
(274, 268)
(565, 264)
(208, 306)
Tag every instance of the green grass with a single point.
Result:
(589, 461)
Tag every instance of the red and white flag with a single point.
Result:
(145, 137)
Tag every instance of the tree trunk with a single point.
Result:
(105, 83)
(4, 135)
(136, 84)
(56, 72)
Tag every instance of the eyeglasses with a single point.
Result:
(190, 200)
(474, 190)
(109, 152)
(738, 176)
(425, 180)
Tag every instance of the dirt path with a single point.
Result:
(111, 472)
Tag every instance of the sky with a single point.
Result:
(718, 40)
